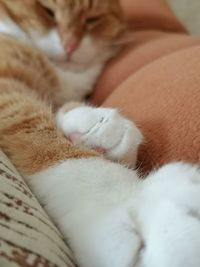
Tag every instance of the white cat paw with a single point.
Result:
(102, 129)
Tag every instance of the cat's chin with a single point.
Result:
(88, 55)
(77, 63)
(75, 66)
(71, 65)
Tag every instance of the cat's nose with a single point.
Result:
(70, 44)
(70, 49)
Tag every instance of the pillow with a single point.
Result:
(147, 47)
(154, 32)
(155, 81)
(151, 14)
(164, 99)
(27, 235)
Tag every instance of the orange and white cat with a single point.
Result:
(77, 36)
(52, 51)
(58, 48)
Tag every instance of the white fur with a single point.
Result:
(50, 44)
(10, 28)
(102, 128)
(91, 53)
(170, 216)
(76, 85)
(111, 218)
(89, 200)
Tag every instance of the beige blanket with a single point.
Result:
(28, 238)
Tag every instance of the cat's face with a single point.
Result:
(77, 31)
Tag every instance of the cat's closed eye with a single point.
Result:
(92, 20)
(49, 12)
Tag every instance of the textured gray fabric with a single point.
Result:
(189, 12)
(27, 236)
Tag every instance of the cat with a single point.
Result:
(31, 30)
(106, 212)
(78, 37)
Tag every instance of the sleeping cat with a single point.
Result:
(109, 216)
(78, 37)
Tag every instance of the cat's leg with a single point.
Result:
(28, 134)
(175, 241)
(71, 183)
(171, 217)
(102, 129)
(104, 239)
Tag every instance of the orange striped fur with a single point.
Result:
(28, 80)
(28, 134)
(42, 15)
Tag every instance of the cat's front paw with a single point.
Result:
(102, 129)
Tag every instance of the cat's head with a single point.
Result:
(77, 31)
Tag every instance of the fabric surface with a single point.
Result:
(164, 99)
(155, 81)
(147, 47)
(188, 11)
(151, 14)
(27, 236)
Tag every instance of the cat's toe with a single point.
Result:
(126, 147)
(102, 129)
